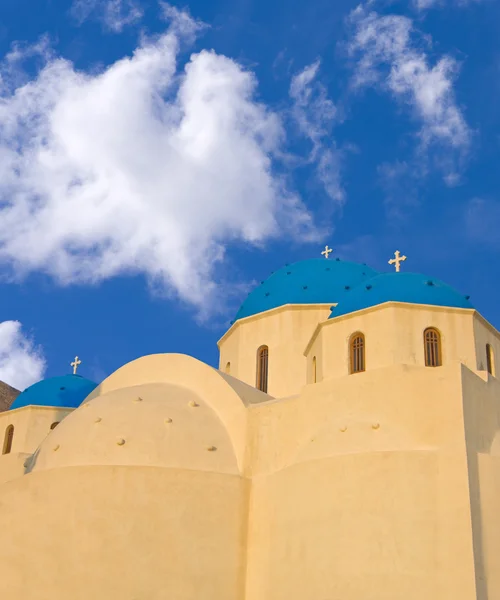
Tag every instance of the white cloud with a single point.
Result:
(425, 4)
(114, 14)
(142, 168)
(386, 55)
(315, 115)
(181, 22)
(21, 363)
(422, 5)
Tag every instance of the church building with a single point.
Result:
(347, 448)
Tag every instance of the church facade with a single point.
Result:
(347, 448)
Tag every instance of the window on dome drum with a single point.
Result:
(357, 353)
(262, 368)
(432, 347)
(9, 436)
(490, 360)
(314, 371)
(55, 424)
(228, 368)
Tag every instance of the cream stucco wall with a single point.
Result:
(140, 492)
(176, 480)
(360, 490)
(286, 331)
(106, 532)
(482, 434)
(31, 426)
(394, 335)
(358, 487)
(13, 465)
(485, 333)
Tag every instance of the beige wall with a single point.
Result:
(107, 532)
(31, 425)
(393, 335)
(484, 333)
(170, 426)
(285, 331)
(382, 485)
(13, 465)
(357, 488)
(226, 396)
(163, 515)
(482, 433)
(360, 490)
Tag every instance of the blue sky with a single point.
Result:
(160, 159)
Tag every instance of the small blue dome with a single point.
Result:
(68, 391)
(399, 287)
(313, 281)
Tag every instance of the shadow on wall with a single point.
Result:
(495, 445)
(30, 462)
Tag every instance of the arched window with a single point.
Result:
(228, 368)
(490, 360)
(9, 436)
(314, 370)
(432, 347)
(262, 368)
(357, 353)
(54, 425)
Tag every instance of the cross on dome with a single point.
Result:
(75, 364)
(326, 251)
(397, 260)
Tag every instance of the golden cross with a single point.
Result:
(326, 251)
(397, 261)
(75, 364)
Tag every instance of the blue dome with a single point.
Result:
(399, 287)
(313, 281)
(68, 391)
